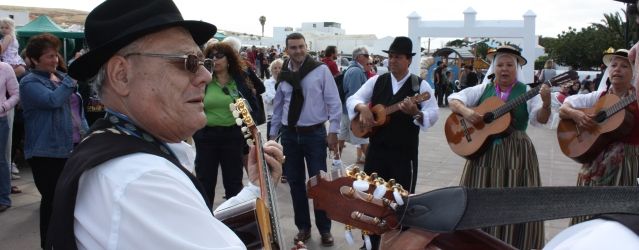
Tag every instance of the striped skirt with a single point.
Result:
(617, 165)
(509, 162)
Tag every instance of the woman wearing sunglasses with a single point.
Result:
(221, 142)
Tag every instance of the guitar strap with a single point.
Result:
(459, 208)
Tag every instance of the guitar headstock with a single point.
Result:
(356, 199)
(565, 77)
(241, 111)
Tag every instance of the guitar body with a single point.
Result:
(250, 221)
(585, 145)
(379, 114)
(469, 140)
(326, 190)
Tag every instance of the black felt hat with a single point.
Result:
(116, 23)
(508, 50)
(401, 45)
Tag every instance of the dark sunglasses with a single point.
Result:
(191, 62)
(218, 55)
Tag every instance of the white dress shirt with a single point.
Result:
(595, 234)
(143, 201)
(364, 94)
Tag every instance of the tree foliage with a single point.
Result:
(582, 49)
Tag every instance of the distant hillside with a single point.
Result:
(63, 17)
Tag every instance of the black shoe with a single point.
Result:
(303, 236)
(327, 239)
(5, 207)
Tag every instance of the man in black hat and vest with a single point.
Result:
(392, 152)
(306, 96)
(128, 185)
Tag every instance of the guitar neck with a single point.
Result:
(510, 105)
(267, 188)
(415, 99)
(620, 105)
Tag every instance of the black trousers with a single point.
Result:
(391, 162)
(46, 172)
(219, 147)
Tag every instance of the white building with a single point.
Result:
(20, 17)
(319, 35)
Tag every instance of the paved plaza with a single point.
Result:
(438, 167)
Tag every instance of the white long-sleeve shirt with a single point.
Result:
(470, 97)
(364, 94)
(143, 201)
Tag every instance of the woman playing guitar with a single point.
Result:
(617, 164)
(510, 161)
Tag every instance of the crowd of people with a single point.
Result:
(133, 181)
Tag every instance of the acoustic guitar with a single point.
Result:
(371, 204)
(381, 114)
(256, 221)
(470, 140)
(613, 123)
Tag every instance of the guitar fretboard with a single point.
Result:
(620, 105)
(415, 99)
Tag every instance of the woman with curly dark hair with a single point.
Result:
(221, 142)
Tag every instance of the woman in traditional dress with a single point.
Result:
(510, 161)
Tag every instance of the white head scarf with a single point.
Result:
(491, 69)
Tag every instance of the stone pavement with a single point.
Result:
(439, 167)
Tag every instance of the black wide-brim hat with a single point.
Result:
(401, 45)
(116, 23)
(508, 50)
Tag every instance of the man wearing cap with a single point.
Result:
(392, 152)
(128, 185)
(306, 96)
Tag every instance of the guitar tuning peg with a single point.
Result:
(232, 106)
(244, 129)
(397, 195)
(367, 240)
(236, 113)
(352, 171)
(247, 135)
(390, 184)
(238, 121)
(249, 141)
(348, 234)
(360, 184)
(380, 188)
(371, 178)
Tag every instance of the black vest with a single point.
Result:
(400, 133)
(95, 150)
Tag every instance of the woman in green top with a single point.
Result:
(221, 142)
(510, 161)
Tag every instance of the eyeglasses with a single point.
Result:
(366, 55)
(191, 62)
(218, 55)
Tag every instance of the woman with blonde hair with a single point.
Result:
(9, 47)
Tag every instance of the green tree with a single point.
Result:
(457, 43)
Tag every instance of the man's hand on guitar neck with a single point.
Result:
(274, 157)
(408, 107)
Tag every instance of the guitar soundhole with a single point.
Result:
(489, 117)
(601, 116)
